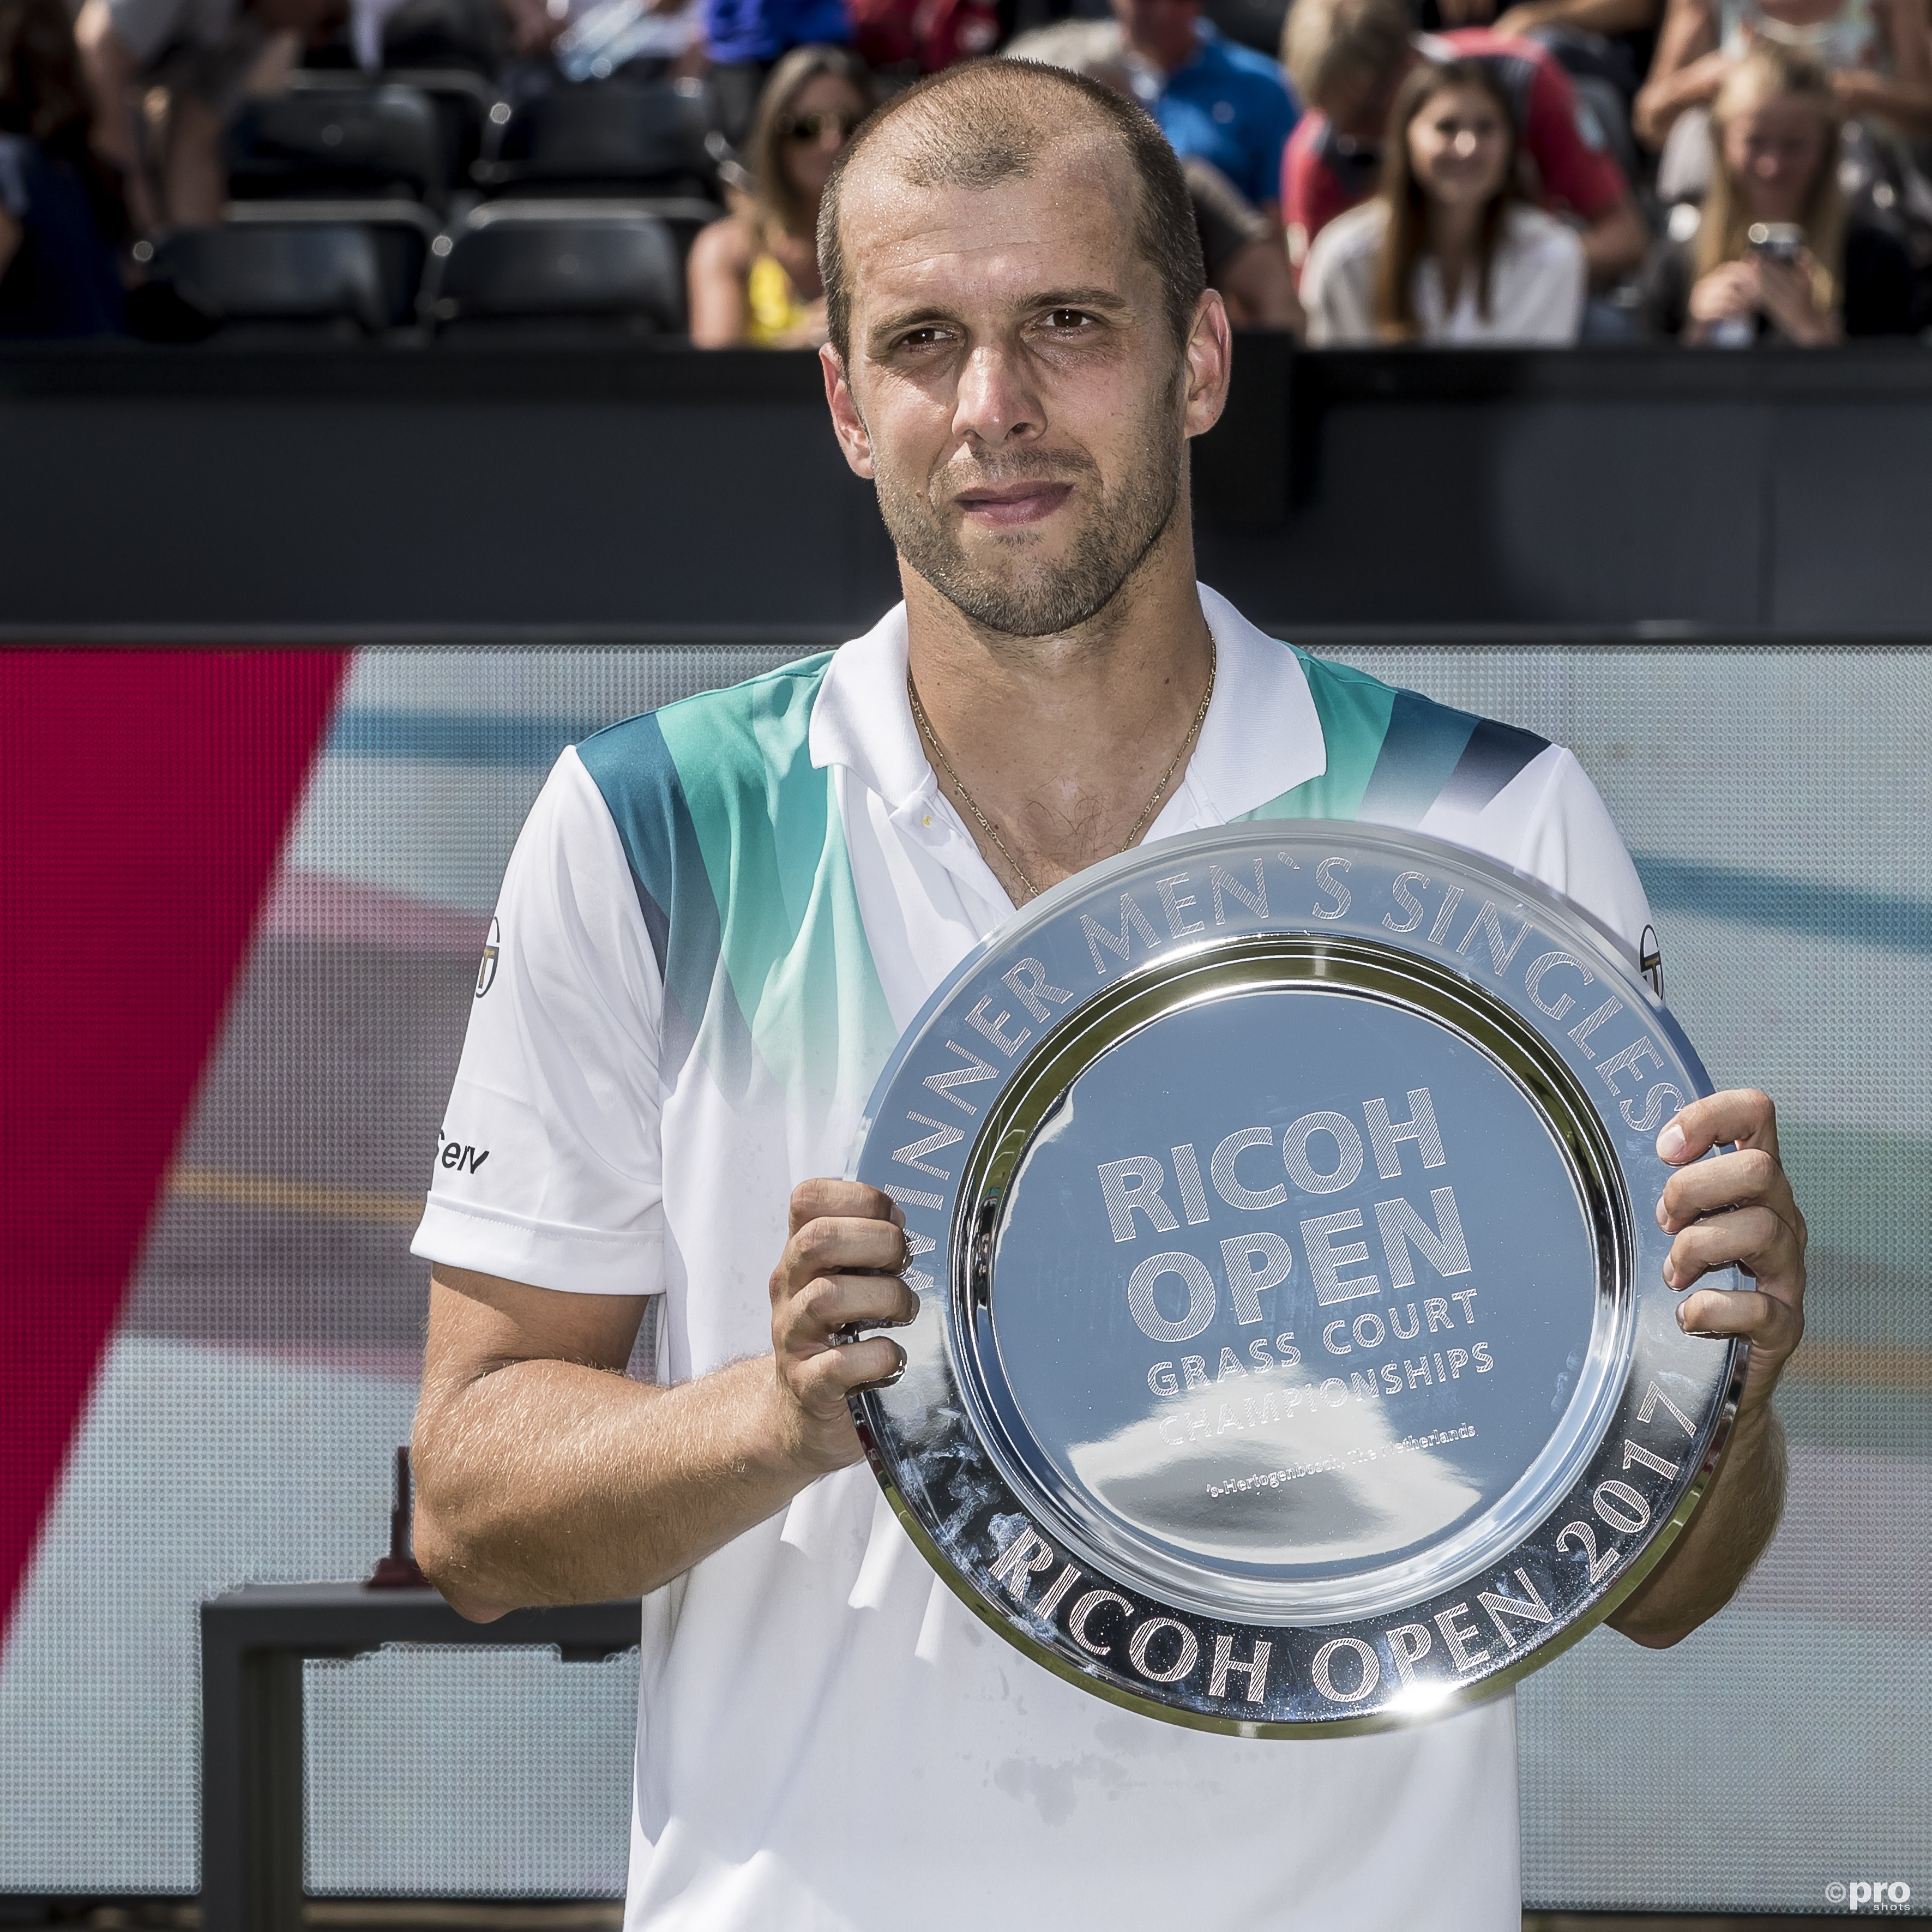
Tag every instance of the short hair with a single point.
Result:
(977, 124)
(1325, 40)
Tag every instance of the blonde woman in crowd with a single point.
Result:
(1877, 53)
(1773, 256)
(1450, 251)
(753, 277)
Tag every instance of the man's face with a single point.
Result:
(1015, 390)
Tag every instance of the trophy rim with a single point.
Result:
(1716, 1389)
(1391, 1716)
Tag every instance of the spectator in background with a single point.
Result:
(202, 54)
(60, 212)
(753, 277)
(1450, 251)
(1610, 18)
(746, 39)
(1614, 38)
(906, 38)
(1775, 129)
(1878, 53)
(1243, 252)
(1348, 57)
(1240, 247)
(1217, 101)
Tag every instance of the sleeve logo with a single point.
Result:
(486, 969)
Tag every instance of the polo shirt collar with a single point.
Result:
(1261, 736)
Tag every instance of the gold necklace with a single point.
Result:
(991, 831)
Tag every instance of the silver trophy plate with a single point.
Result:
(1295, 1354)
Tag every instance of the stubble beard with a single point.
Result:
(1023, 600)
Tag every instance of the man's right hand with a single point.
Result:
(840, 1271)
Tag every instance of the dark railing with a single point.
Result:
(205, 494)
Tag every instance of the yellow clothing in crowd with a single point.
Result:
(773, 311)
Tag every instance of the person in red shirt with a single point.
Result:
(1347, 58)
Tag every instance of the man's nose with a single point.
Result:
(996, 401)
(1465, 144)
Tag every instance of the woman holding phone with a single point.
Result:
(1450, 251)
(1773, 256)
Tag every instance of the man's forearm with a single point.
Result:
(110, 71)
(1723, 1540)
(1596, 17)
(547, 1482)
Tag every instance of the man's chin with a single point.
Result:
(1040, 608)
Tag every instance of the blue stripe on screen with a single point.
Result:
(1848, 913)
(455, 737)
(1844, 913)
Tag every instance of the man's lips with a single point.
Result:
(1014, 504)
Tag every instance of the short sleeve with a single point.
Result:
(1551, 823)
(548, 1166)
(1576, 169)
(1338, 279)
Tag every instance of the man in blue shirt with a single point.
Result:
(1214, 99)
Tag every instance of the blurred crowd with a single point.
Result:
(1723, 172)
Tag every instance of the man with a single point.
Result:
(717, 919)
(203, 53)
(1348, 57)
(1214, 99)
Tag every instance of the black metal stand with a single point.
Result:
(253, 1644)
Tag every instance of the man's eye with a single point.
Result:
(1066, 318)
(922, 338)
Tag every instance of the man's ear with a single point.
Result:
(1210, 357)
(847, 423)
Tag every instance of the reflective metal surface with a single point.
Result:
(1294, 1353)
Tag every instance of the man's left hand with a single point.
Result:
(1734, 1208)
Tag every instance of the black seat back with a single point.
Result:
(446, 34)
(562, 277)
(461, 100)
(617, 132)
(325, 278)
(376, 139)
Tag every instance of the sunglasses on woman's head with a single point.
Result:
(812, 127)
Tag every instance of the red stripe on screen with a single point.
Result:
(144, 797)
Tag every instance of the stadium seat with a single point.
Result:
(558, 272)
(322, 273)
(462, 101)
(340, 140)
(613, 134)
(443, 34)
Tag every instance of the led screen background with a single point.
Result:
(259, 1367)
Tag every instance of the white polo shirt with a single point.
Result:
(716, 923)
